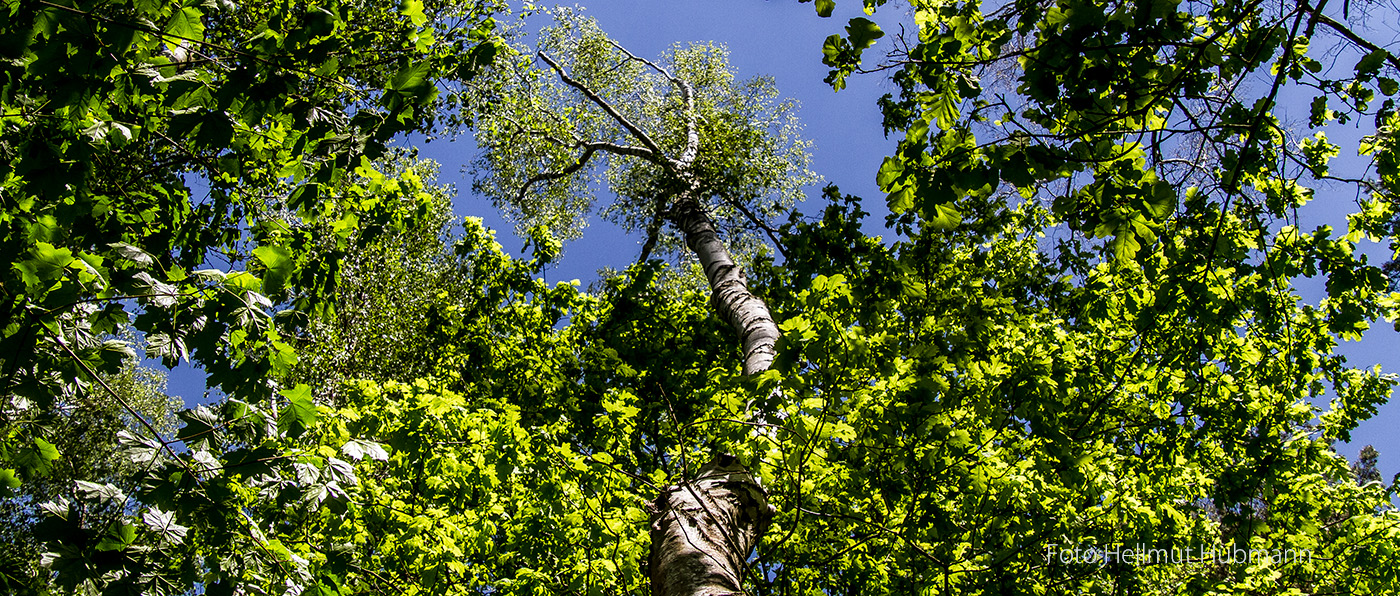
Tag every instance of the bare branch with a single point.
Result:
(760, 224)
(588, 150)
(1346, 32)
(547, 176)
(653, 65)
(655, 155)
(617, 149)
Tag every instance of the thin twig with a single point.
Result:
(1346, 32)
(762, 225)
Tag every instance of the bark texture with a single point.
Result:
(703, 531)
(729, 289)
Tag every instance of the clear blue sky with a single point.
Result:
(783, 38)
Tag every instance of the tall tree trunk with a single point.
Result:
(703, 530)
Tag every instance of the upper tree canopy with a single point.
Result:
(1134, 119)
(581, 115)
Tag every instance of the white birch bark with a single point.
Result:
(703, 531)
(729, 289)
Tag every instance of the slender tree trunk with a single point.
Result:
(729, 289)
(703, 530)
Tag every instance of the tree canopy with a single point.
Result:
(581, 114)
(1078, 363)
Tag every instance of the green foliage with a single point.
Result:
(1187, 413)
(1364, 469)
(964, 415)
(1075, 338)
(1115, 117)
(540, 135)
(389, 290)
(163, 170)
(85, 436)
(260, 105)
(844, 53)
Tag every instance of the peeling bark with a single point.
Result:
(703, 531)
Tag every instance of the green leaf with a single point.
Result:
(320, 21)
(1319, 114)
(200, 425)
(118, 538)
(9, 481)
(278, 266)
(163, 523)
(140, 258)
(900, 200)
(413, 9)
(833, 49)
(358, 449)
(824, 7)
(45, 24)
(412, 80)
(890, 171)
(1161, 200)
(942, 216)
(101, 493)
(299, 413)
(116, 353)
(185, 23)
(250, 462)
(47, 265)
(305, 198)
(1371, 64)
(863, 32)
(103, 131)
(36, 459)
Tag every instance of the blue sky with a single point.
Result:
(783, 39)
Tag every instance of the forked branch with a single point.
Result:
(1346, 32)
(588, 150)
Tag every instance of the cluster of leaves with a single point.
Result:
(108, 108)
(1120, 116)
(165, 170)
(506, 464)
(959, 412)
(951, 410)
(84, 434)
(1150, 378)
